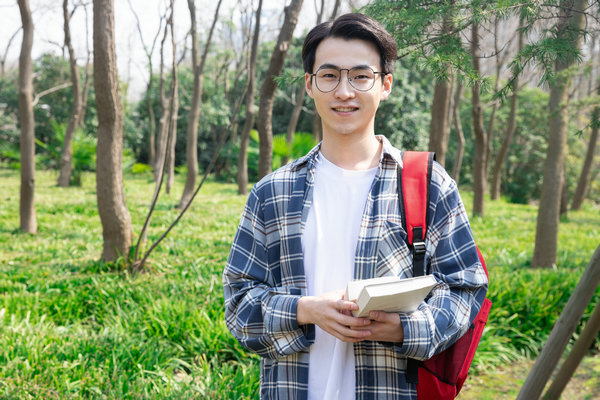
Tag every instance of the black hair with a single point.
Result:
(351, 26)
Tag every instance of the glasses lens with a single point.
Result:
(361, 78)
(327, 79)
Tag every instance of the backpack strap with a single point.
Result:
(413, 195)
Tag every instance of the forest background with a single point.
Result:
(505, 93)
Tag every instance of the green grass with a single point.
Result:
(73, 327)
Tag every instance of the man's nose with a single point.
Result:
(344, 88)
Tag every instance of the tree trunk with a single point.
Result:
(64, 178)
(317, 127)
(164, 114)
(293, 122)
(86, 81)
(267, 90)
(173, 109)
(562, 331)
(149, 86)
(492, 120)
(564, 203)
(546, 237)
(5, 54)
(84, 94)
(194, 114)
(27, 140)
(250, 109)
(114, 216)
(479, 162)
(151, 124)
(439, 118)
(460, 136)
(581, 347)
(439, 127)
(510, 130)
(586, 170)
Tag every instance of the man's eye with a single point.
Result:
(329, 76)
(359, 77)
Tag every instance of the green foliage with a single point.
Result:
(139, 168)
(301, 144)
(421, 36)
(51, 115)
(404, 117)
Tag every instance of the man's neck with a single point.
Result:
(352, 153)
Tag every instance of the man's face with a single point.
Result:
(346, 110)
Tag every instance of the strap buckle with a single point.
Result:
(419, 247)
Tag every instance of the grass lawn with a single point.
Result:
(72, 327)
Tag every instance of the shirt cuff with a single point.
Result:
(281, 322)
(418, 335)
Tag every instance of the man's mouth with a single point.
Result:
(345, 109)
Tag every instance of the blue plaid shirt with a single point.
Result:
(264, 278)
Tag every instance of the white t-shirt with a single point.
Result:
(329, 245)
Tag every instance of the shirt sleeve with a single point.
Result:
(452, 258)
(260, 312)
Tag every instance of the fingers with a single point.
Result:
(345, 327)
(386, 327)
(346, 334)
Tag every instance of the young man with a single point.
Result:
(333, 216)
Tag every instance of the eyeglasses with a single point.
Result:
(361, 78)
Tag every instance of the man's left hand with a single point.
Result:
(384, 327)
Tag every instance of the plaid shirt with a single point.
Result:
(264, 278)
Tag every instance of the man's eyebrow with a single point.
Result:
(327, 65)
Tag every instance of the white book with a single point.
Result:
(389, 293)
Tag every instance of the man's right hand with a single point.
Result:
(333, 314)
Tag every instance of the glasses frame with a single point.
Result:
(314, 75)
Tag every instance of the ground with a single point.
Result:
(504, 383)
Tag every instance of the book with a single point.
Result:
(389, 293)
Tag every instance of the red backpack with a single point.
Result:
(442, 376)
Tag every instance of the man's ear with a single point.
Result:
(387, 86)
(308, 84)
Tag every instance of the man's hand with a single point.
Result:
(333, 314)
(385, 327)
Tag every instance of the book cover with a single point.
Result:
(390, 294)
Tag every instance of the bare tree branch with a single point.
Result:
(51, 90)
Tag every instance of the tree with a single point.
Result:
(569, 30)
(510, 127)
(27, 141)
(242, 177)
(460, 136)
(586, 169)
(75, 119)
(164, 112)
(581, 347)
(481, 135)
(194, 114)
(114, 215)
(269, 85)
(173, 107)
(149, 86)
(5, 54)
(439, 128)
(563, 329)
